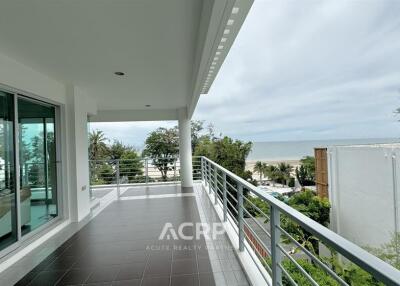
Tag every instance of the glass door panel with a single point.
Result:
(8, 213)
(37, 157)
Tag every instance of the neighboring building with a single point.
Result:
(321, 172)
(363, 190)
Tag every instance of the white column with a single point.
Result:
(185, 149)
(79, 106)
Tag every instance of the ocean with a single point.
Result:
(295, 150)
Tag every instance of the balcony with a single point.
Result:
(126, 241)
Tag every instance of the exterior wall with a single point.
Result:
(362, 189)
(19, 76)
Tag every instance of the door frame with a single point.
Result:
(58, 130)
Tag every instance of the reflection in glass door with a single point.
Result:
(37, 164)
(8, 213)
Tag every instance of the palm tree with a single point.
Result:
(271, 172)
(97, 146)
(285, 171)
(259, 168)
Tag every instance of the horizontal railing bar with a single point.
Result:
(378, 268)
(292, 282)
(257, 222)
(305, 273)
(315, 259)
(233, 198)
(257, 208)
(258, 238)
(259, 254)
(232, 206)
(229, 184)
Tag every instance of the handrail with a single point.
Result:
(370, 263)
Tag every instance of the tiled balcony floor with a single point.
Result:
(121, 246)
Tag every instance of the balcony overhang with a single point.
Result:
(166, 49)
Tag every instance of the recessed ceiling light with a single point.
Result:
(147, 105)
(118, 73)
(235, 10)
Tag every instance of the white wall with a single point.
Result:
(361, 190)
(19, 76)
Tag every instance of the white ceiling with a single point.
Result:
(169, 50)
(85, 42)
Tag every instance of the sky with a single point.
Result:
(303, 70)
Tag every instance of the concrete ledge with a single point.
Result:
(253, 268)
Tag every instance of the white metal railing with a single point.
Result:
(138, 171)
(229, 191)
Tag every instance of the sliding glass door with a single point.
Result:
(37, 164)
(8, 211)
(28, 169)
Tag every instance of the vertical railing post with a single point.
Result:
(215, 185)
(275, 251)
(175, 169)
(201, 169)
(240, 216)
(146, 170)
(225, 199)
(209, 180)
(206, 173)
(118, 189)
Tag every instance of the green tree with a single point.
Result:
(316, 272)
(230, 154)
(260, 168)
(118, 149)
(280, 174)
(272, 173)
(130, 165)
(162, 147)
(284, 172)
(196, 127)
(388, 252)
(314, 207)
(98, 149)
(306, 172)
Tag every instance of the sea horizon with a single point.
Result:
(297, 149)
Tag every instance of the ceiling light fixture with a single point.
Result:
(147, 105)
(118, 73)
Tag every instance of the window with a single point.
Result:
(28, 182)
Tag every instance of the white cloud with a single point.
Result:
(302, 70)
(310, 70)
(132, 133)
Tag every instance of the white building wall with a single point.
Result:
(19, 76)
(363, 190)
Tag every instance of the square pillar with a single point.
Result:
(185, 149)
(79, 106)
